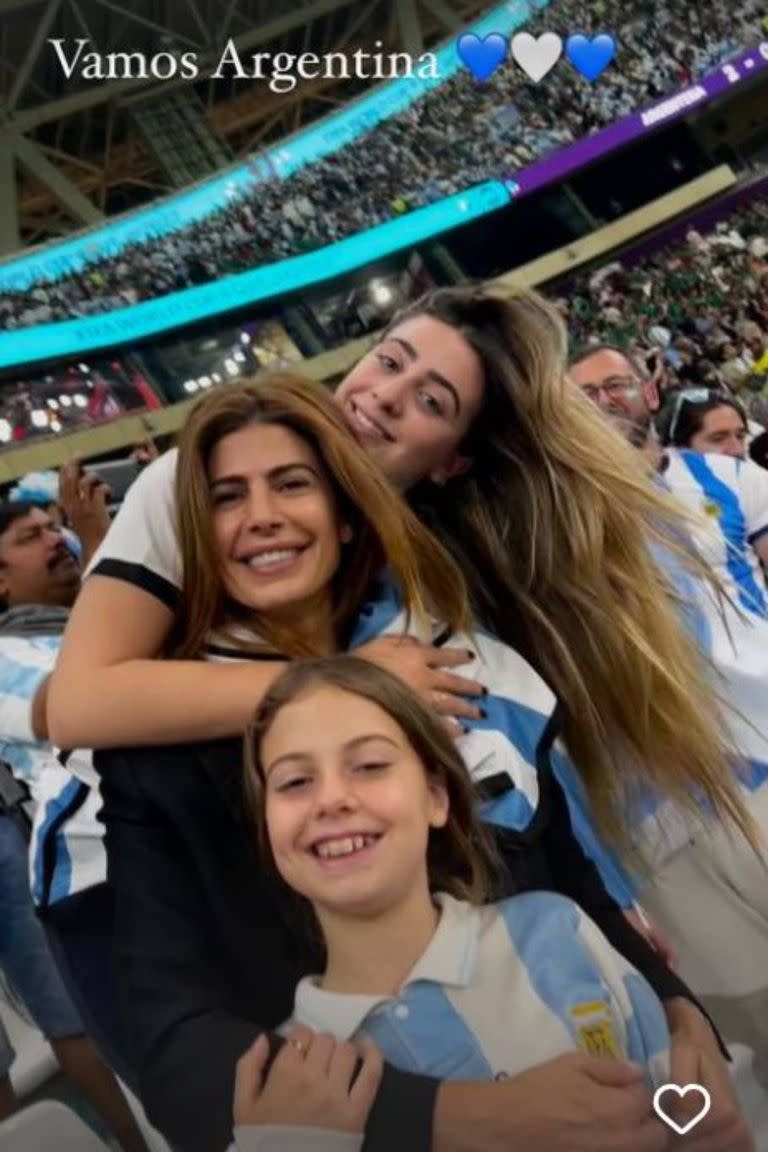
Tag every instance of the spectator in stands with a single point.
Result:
(456, 135)
(703, 302)
(414, 403)
(707, 880)
(361, 804)
(704, 421)
(39, 579)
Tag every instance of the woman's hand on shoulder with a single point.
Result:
(315, 1082)
(427, 670)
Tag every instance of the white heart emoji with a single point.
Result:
(681, 1129)
(536, 57)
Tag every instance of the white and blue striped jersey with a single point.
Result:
(731, 498)
(25, 662)
(505, 752)
(66, 800)
(502, 988)
(499, 989)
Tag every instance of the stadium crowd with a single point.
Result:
(458, 135)
(702, 304)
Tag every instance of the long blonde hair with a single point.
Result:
(554, 527)
(384, 531)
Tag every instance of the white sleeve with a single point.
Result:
(281, 1138)
(753, 492)
(142, 544)
(24, 665)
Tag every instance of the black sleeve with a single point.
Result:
(185, 1036)
(574, 874)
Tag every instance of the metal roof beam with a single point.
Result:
(33, 52)
(32, 157)
(10, 233)
(411, 35)
(29, 118)
(445, 15)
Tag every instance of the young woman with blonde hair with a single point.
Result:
(463, 405)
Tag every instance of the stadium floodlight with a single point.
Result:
(231, 367)
(205, 381)
(239, 357)
(190, 385)
(84, 368)
(54, 404)
(217, 377)
(6, 432)
(381, 292)
(55, 426)
(245, 337)
(65, 401)
(81, 401)
(39, 418)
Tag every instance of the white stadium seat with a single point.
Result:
(48, 1127)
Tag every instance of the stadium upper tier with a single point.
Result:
(450, 137)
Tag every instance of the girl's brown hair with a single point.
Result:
(384, 531)
(461, 857)
(554, 528)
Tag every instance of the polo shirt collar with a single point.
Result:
(448, 960)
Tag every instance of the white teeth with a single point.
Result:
(276, 557)
(343, 847)
(368, 424)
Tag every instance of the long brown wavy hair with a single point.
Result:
(461, 857)
(384, 530)
(554, 528)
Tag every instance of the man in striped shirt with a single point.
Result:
(39, 580)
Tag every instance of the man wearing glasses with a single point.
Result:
(729, 495)
(626, 392)
(709, 893)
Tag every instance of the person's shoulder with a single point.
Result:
(159, 473)
(169, 767)
(531, 917)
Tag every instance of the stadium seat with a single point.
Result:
(35, 1062)
(48, 1127)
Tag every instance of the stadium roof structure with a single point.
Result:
(74, 151)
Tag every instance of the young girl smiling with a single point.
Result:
(364, 808)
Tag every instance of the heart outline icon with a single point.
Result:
(482, 57)
(590, 58)
(681, 1129)
(535, 56)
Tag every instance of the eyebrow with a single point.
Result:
(273, 474)
(350, 744)
(432, 375)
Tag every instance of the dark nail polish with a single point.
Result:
(470, 655)
(485, 690)
(483, 714)
(464, 730)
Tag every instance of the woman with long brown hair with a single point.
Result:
(551, 517)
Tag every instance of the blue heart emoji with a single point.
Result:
(482, 57)
(590, 57)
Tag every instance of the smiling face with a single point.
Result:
(348, 804)
(275, 524)
(412, 400)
